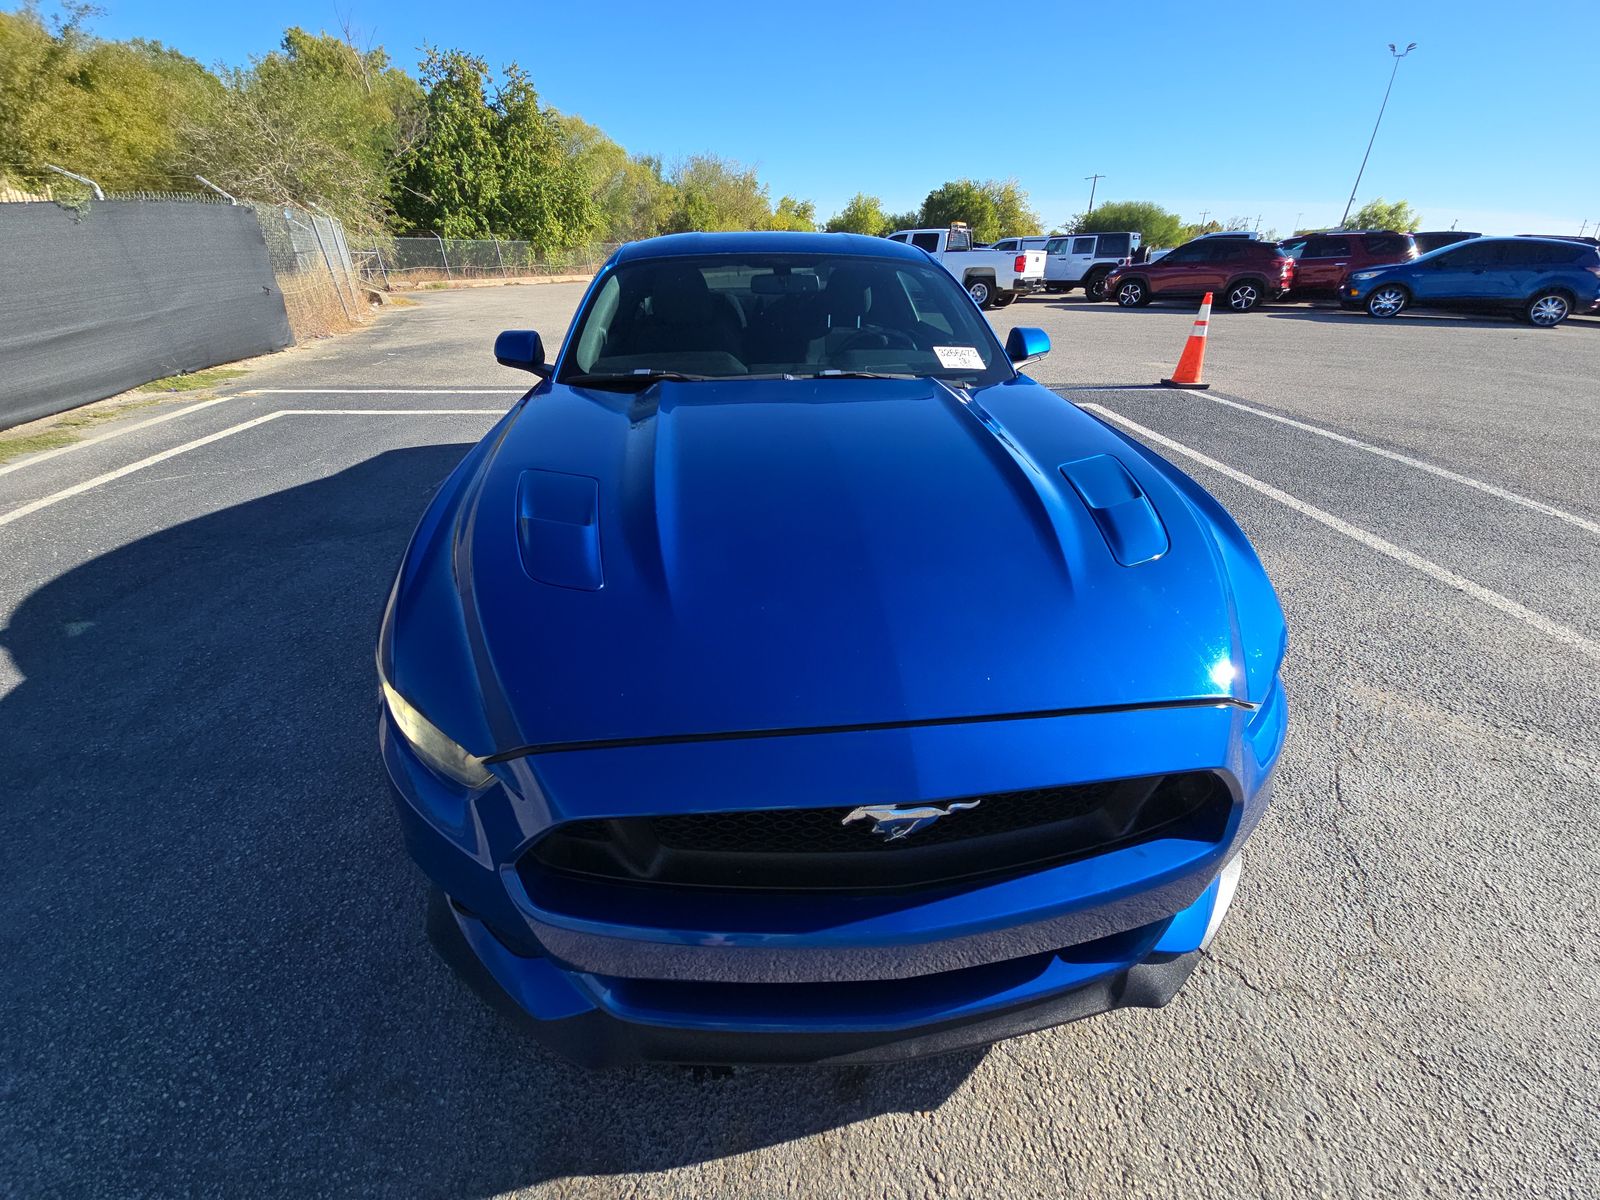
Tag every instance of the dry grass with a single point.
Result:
(55, 432)
(191, 381)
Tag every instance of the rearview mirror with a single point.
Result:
(1026, 344)
(522, 350)
(789, 283)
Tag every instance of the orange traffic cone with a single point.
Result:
(1194, 352)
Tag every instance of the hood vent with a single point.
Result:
(558, 529)
(1124, 514)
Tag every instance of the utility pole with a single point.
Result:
(1398, 55)
(1094, 181)
(1204, 213)
(1297, 217)
(1258, 222)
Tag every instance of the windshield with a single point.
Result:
(780, 314)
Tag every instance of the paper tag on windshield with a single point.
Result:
(960, 358)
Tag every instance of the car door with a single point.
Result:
(1057, 259)
(1177, 273)
(1507, 272)
(1082, 256)
(1323, 263)
(1224, 260)
(1447, 277)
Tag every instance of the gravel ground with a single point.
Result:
(215, 979)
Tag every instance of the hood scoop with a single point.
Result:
(558, 529)
(1121, 510)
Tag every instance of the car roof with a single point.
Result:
(677, 245)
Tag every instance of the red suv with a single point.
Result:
(1323, 261)
(1241, 271)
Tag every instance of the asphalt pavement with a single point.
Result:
(215, 980)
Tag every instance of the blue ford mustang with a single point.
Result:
(786, 678)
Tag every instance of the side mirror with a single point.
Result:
(522, 350)
(1026, 344)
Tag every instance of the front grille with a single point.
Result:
(794, 849)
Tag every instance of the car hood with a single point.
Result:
(723, 557)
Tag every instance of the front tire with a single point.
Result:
(981, 291)
(1094, 287)
(1387, 301)
(1245, 295)
(1547, 310)
(1133, 293)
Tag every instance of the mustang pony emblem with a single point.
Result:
(895, 821)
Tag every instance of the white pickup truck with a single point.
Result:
(993, 278)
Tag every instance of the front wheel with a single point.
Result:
(1547, 309)
(1132, 293)
(1387, 301)
(981, 291)
(1095, 286)
(1245, 295)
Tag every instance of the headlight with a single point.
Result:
(1365, 275)
(432, 746)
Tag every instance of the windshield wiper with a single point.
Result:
(858, 375)
(636, 379)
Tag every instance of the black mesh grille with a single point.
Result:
(812, 849)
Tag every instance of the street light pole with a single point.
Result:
(1398, 55)
(1094, 181)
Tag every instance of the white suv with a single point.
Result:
(1085, 259)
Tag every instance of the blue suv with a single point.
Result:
(1542, 279)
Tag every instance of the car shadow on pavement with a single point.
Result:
(216, 979)
(1339, 316)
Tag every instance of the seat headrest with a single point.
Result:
(848, 296)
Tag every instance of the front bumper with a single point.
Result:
(688, 978)
(566, 1012)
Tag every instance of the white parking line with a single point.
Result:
(385, 392)
(1433, 570)
(1548, 510)
(108, 435)
(78, 489)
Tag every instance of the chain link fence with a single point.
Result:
(321, 286)
(416, 260)
(311, 260)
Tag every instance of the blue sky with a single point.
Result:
(1237, 109)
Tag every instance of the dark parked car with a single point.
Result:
(1242, 272)
(1563, 237)
(1323, 261)
(1543, 279)
(1438, 239)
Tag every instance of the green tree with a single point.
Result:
(863, 214)
(902, 220)
(1012, 214)
(1155, 225)
(449, 180)
(993, 208)
(314, 121)
(799, 216)
(543, 194)
(1378, 214)
(492, 164)
(110, 110)
(631, 193)
(715, 194)
(962, 200)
